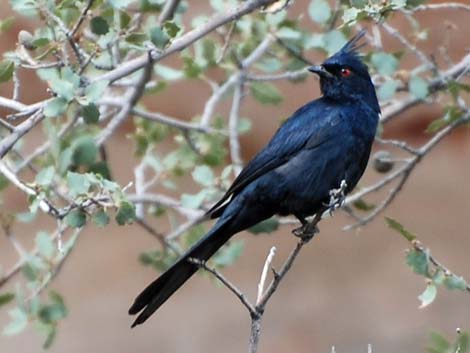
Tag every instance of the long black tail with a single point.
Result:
(164, 286)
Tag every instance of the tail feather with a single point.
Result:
(164, 286)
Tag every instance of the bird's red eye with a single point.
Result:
(345, 72)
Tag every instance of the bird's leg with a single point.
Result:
(337, 197)
(307, 230)
(299, 231)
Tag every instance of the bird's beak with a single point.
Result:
(320, 71)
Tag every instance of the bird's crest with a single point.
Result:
(353, 45)
(349, 55)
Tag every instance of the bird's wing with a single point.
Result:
(301, 131)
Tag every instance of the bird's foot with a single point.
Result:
(337, 197)
(306, 231)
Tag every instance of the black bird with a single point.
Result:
(323, 143)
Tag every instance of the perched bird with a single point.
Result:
(323, 143)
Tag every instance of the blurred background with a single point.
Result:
(347, 289)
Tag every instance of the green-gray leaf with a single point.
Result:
(76, 218)
(158, 37)
(386, 64)
(55, 107)
(63, 88)
(119, 4)
(95, 90)
(319, 11)
(6, 70)
(266, 93)
(90, 113)
(85, 151)
(418, 87)
(428, 296)
(6, 298)
(193, 201)
(78, 184)
(350, 15)
(125, 214)
(418, 261)
(439, 344)
(45, 176)
(267, 226)
(100, 218)
(394, 224)
(45, 245)
(168, 73)
(6, 24)
(387, 89)
(228, 254)
(19, 320)
(203, 175)
(171, 29)
(454, 282)
(99, 25)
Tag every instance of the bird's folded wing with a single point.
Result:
(291, 138)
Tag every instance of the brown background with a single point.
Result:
(347, 289)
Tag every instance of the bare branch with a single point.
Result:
(165, 201)
(442, 6)
(8, 142)
(168, 10)
(288, 75)
(12, 104)
(159, 117)
(400, 144)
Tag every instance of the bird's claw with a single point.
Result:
(306, 231)
(337, 197)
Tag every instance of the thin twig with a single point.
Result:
(400, 144)
(227, 40)
(229, 285)
(418, 53)
(81, 18)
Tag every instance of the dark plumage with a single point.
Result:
(322, 143)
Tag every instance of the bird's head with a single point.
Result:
(344, 76)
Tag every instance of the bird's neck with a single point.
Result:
(362, 95)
